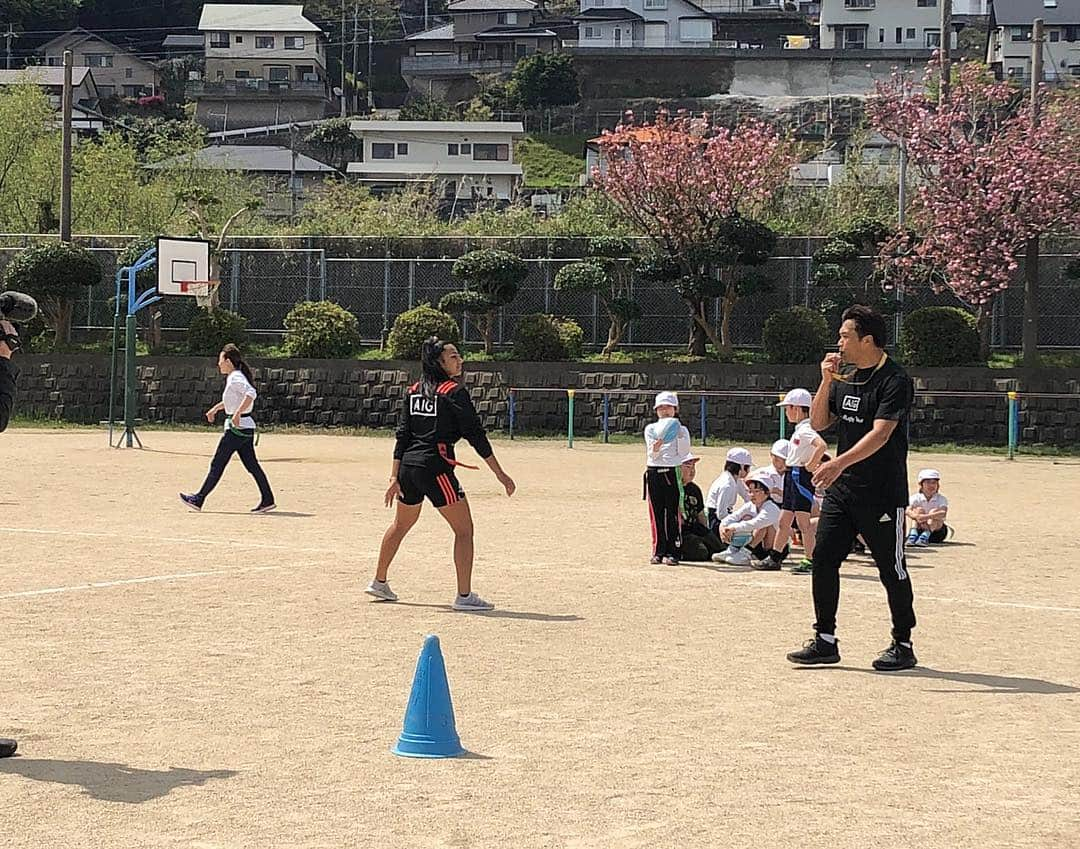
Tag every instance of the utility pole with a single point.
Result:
(355, 51)
(370, 51)
(343, 110)
(292, 173)
(10, 34)
(427, 15)
(1030, 337)
(65, 161)
(945, 51)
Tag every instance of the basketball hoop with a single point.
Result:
(202, 290)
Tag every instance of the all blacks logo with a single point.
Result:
(421, 406)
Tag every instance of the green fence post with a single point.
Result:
(783, 419)
(570, 418)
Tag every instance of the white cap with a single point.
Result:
(797, 398)
(689, 458)
(780, 448)
(929, 475)
(740, 456)
(761, 476)
(669, 398)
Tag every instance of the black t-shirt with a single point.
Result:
(879, 481)
(693, 503)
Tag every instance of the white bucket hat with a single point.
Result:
(668, 398)
(929, 475)
(780, 448)
(740, 456)
(797, 398)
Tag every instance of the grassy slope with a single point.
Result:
(551, 161)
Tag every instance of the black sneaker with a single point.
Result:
(816, 651)
(7, 747)
(765, 564)
(895, 658)
(264, 508)
(193, 502)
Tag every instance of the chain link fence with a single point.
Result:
(264, 283)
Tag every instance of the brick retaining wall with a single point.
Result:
(351, 393)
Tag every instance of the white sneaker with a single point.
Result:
(720, 557)
(472, 602)
(381, 590)
(738, 557)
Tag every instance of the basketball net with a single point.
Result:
(203, 290)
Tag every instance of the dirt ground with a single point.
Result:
(219, 679)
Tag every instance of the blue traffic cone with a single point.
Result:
(429, 730)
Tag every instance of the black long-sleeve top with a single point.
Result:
(432, 422)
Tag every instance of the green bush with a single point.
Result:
(795, 336)
(572, 337)
(836, 251)
(212, 329)
(321, 330)
(940, 336)
(540, 338)
(54, 274)
(411, 328)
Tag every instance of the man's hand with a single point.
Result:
(6, 327)
(211, 414)
(827, 473)
(830, 366)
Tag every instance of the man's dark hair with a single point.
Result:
(868, 322)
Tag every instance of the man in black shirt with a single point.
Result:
(9, 373)
(866, 485)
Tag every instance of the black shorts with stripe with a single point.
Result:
(418, 483)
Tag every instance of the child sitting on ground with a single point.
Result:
(752, 526)
(727, 489)
(927, 510)
(699, 543)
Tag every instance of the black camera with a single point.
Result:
(17, 308)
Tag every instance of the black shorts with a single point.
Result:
(940, 535)
(798, 491)
(418, 483)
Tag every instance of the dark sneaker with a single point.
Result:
(670, 561)
(765, 564)
(7, 747)
(192, 501)
(816, 651)
(895, 658)
(656, 560)
(264, 508)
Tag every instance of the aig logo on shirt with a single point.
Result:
(851, 403)
(421, 406)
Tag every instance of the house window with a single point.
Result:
(520, 51)
(508, 18)
(899, 34)
(491, 152)
(1020, 33)
(219, 39)
(1055, 35)
(239, 39)
(933, 37)
(132, 91)
(381, 150)
(264, 42)
(655, 4)
(466, 149)
(854, 38)
(859, 4)
(99, 60)
(452, 150)
(243, 75)
(54, 61)
(909, 34)
(106, 90)
(881, 35)
(278, 74)
(294, 42)
(1072, 34)
(402, 149)
(928, 3)
(593, 32)
(129, 73)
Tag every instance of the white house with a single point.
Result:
(643, 23)
(460, 160)
(264, 65)
(1009, 49)
(116, 71)
(881, 25)
(972, 8)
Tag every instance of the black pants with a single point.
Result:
(662, 493)
(242, 443)
(883, 531)
(699, 545)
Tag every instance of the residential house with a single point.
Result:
(643, 23)
(462, 161)
(1009, 48)
(180, 45)
(287, 178)
(264, 65)
(85, 119)
(117, 71)
(756, 24)
(971, 8)
(483, 36)
(881, 25)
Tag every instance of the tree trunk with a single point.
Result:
(727, 307)
(698, 339)
(155, 331)
(64, 312)
(487, 329)
(983, 322)
(614, 336)
(1030, 338)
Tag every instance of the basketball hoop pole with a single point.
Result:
(134, 304)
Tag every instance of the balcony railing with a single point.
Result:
(256, 87)
(449, 63)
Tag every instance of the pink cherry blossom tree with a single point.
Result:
(991, 180)
(692, 188)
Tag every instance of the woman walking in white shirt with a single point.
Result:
(237, 400)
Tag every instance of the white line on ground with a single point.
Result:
(148, 579)
(228, 543)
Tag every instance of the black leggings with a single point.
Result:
(244, 445)
(662, 493)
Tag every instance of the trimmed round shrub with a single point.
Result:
(587, 276)
(212, 329)
(795, 336)
(495, 274)
(412, 327)
(572, 337)
(940, 336)
(321, 330)
(836, 251)
(539, 338)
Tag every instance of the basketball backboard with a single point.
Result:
(183, 266)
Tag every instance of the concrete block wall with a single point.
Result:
(345, 393)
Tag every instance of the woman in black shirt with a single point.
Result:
(437, 413)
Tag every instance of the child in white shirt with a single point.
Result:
(667, 442)
(754, 524)
(803, 458)
(927, 510)
(727, 489)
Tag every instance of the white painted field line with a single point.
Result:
(946, 599)
(229, 543)
(148, 579)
